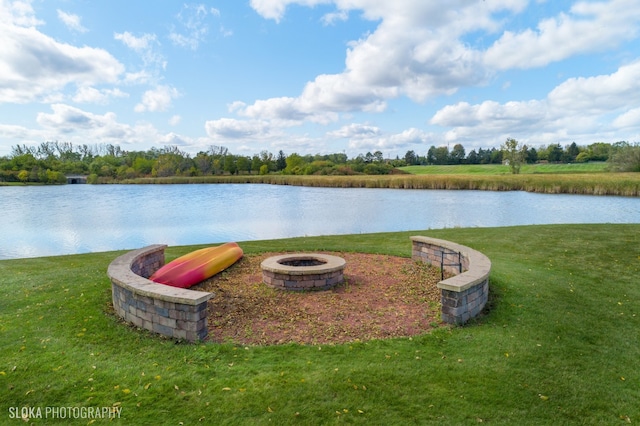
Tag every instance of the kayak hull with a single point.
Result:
(197, 266)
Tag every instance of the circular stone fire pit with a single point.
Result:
(306, 271)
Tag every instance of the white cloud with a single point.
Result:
(139, 44)
(139, 77)
(34, 66)
(18, 13)
(333, 17)
(158, 99)
(599, 94)
(230, 128)
(630, 119)
(355, 130)
(416, 51)
(78, 126)
(274, 9)
(588, 27)
(87, 94)
(146, 46)
(68, 119)
(71, 21)
(364, 137)
(579, 108)
(193, 27)
(23, 134)
(175, 120)
(490, 114)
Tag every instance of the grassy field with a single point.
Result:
(560, 345)
(497, 169)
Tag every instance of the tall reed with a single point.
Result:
(622, 184)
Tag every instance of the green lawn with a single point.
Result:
(497, 169)
(560, 345)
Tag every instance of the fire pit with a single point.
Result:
(306, 271)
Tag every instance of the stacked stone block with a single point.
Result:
(460, 307)
(464, 295)
(284, 272)
(302, 282)
(173, 312)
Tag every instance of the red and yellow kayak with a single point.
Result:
(197, 266)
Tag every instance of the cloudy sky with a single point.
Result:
(319, 76)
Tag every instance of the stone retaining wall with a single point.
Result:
(173, 312)
(464, 295)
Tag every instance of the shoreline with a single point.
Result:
(617, 184)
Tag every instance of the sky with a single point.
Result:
(318, 76)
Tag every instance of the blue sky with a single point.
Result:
(319, 76)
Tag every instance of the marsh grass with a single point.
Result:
(560, 345)
(584, 179)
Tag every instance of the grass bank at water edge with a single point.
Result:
(559, 345)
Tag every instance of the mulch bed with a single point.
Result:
(382, 296)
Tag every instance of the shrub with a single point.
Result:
(625, 158)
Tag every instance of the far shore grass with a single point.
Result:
(559, 344)
(621, 184)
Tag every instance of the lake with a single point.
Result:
(69, 219)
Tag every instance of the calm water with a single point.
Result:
(52, 220)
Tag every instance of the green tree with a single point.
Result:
(457, 154)
(473, 157)
(531, 155)
(555, 153)
(295, 164)
(256, 164)
(431, 155)
(599, 151)
(204, 163)
(513, 154)
(281, 161)
(230, 165)
(625, 157)
(441, 155)
(243, 164)
(23, 175)
(410, 158)
(55, 177)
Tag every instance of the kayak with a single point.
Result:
(197, 266)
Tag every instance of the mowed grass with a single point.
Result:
(497, 169)
(559, 345)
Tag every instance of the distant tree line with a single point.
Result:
(572, 153)
(51, 162)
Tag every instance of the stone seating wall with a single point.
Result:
(182, 313)
(170, 311)
(464, 295)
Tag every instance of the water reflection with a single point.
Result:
(41, 221)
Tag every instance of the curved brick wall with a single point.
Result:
(464, 295)
(170, 311)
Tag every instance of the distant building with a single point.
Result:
(76, 179)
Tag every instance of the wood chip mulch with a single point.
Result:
(382, 296)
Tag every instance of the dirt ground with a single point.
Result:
(382, 296)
